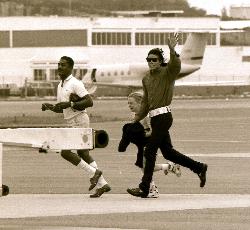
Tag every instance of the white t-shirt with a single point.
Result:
(70, 85)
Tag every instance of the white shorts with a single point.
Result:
(79, 121)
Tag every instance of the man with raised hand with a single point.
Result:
(158, 86)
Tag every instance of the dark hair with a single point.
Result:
(158, 52)
(69, 60)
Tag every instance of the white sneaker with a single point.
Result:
(174, 168)
(153, 192)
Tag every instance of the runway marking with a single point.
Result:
(196, 140)
(44, 205)
(213, 141)
(207, 155)
(221, 155)
(13, 227)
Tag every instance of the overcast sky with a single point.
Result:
(215, 6)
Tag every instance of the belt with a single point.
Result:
(158, 111)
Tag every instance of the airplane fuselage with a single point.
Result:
(131, 74)
(127, 74)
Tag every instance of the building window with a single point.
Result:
(211, 39)
(49, 38)
(54, 75)
(79, 73)
(232, 39)
(235, 38)
(111, 38)
(182, 38)
(39, 75)
(145, 38)
(245, 58)
(4, 39)
(155, 38)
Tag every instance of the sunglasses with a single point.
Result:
(152, 59)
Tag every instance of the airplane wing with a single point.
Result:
(209, 83)
(138, 85)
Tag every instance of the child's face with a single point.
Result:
(133, 105)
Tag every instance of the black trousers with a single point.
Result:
(160, 139)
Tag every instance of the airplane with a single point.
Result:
(130, 74)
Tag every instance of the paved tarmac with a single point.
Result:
(46, 205)
(48, 193)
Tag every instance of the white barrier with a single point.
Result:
(54, 139)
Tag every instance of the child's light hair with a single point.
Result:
(137, 96)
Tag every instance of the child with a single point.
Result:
(138, 133)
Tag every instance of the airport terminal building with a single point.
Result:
(30, 47)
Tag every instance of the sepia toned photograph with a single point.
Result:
(124, 115)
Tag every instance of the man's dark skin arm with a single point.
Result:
(82, 104)
(55, 108)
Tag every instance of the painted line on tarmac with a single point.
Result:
(221, 155)
(196, 140)
(44, 205)
(212, 141)
(42, 227)
(212, 155)
(207, 155)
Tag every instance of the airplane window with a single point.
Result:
(102, 74)
(129, 72)
(115, 73)
(122, 73)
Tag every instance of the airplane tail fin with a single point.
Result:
(193, 50)
(89, 81)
